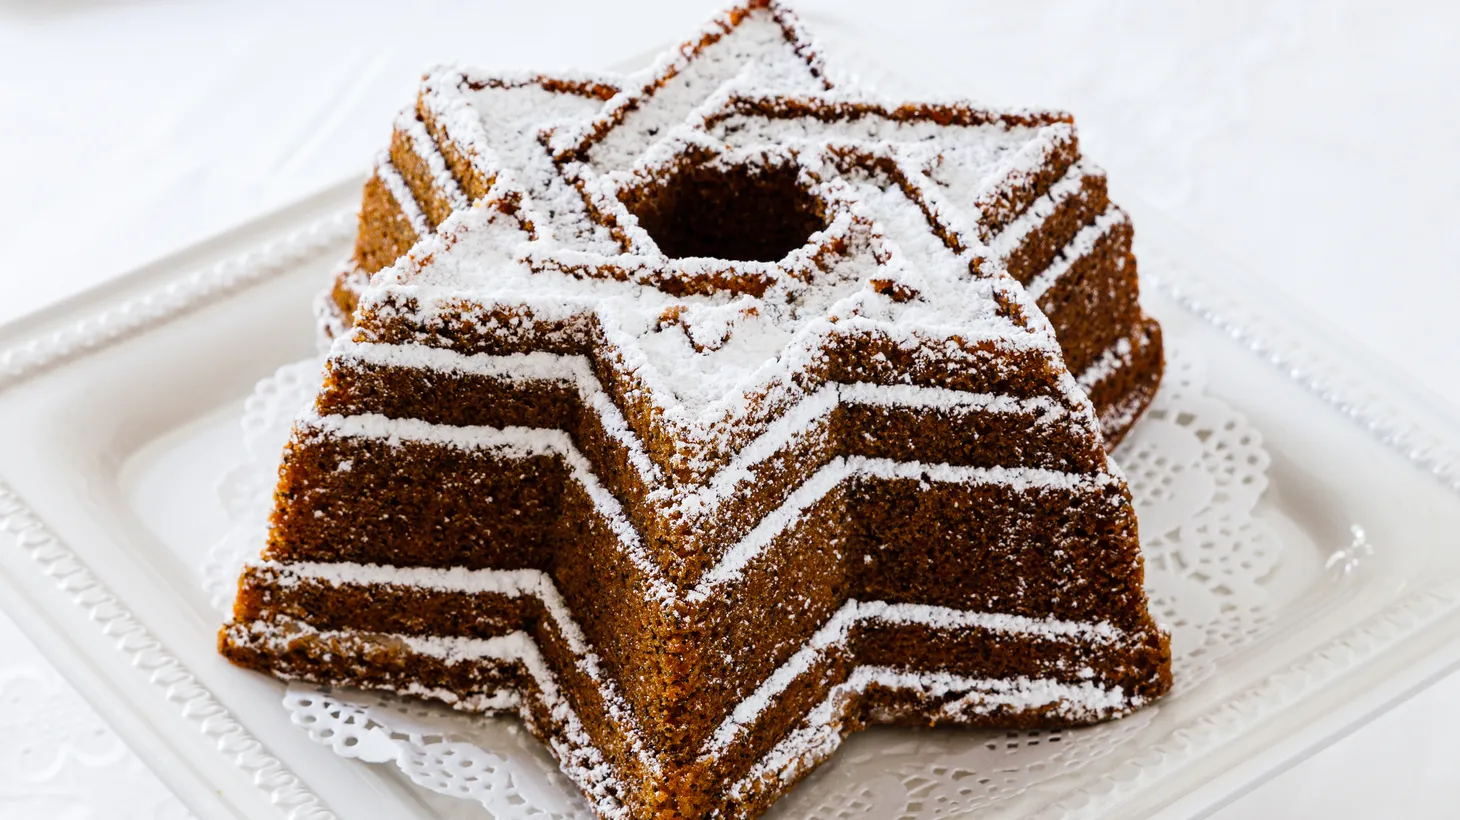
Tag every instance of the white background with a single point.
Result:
(1316, 142)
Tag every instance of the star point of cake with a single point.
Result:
(708, 414)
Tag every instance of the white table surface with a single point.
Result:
(1315, 142)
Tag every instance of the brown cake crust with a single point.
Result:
(499, 500)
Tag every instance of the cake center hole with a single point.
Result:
(739, 213)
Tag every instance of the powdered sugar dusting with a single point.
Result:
(1012, 236)
(1113, 360)
(401, 193)
(513, 583)
(1082, 245)
(498, 122)
(730, 363)
(732, 565)
(755, 53)
(835, 631)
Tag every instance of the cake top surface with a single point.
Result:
(724, 213)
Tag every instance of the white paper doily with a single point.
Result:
(1196, 469)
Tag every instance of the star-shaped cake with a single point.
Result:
(704, 416)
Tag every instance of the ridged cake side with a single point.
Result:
(706, 416)
(1009, 631)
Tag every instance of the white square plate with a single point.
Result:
(118, 413)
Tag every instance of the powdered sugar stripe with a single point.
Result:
(1115, 358)
(1122, 414)
(1012, 237)
(518, 583)
(1017, 168)
(575, 371)
(538, 584)
(513, 583)
(401, 192)
(733, 563)
(1083, 243)
(822, 733)
(331, 321)
(522, 441)
(514, 442)
(835, 631)
(724, 49)
(442, 180)
(942, 398)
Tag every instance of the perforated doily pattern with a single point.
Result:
(1196, 469)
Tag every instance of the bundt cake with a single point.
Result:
(705, 416)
